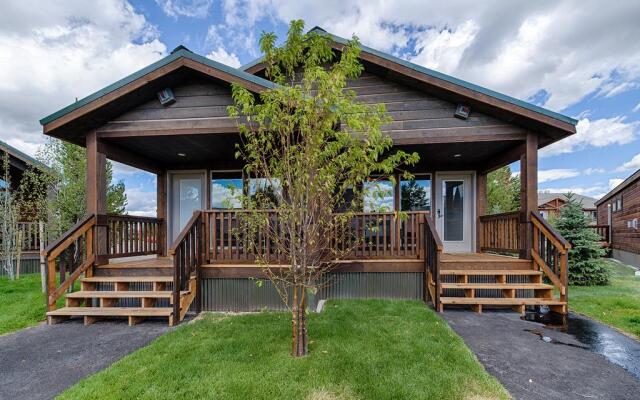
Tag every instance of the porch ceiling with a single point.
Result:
(217, 151)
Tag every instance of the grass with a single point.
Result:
(617, 305)
(22, 304)
(359, 349)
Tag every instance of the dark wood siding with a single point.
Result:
(623, 237)
(199, 104)
(418, 115)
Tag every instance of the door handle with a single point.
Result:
(439, 214)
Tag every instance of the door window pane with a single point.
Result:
(415, 195)
(453, 201)
(226, 193)
(378, 196)
(190, 199)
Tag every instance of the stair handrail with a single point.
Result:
(433, 252)
(550, 253)
(187, 253)
(55, 248)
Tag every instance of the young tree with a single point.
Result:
(585, 265)
(503, 191)
(309, 138)
(9, 236)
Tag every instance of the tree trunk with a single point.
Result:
(299, 323)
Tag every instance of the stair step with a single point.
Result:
(124, 294)
(495, 286)
(490, 272)
(129, 279)
(501, 301)
(111, 312)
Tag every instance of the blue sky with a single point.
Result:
(575, 57)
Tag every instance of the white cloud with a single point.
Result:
(634, 163)
(593, 191)
(556, 174)
(591, 171)
(636, 108)
(520, 48)
(221, 55)
(50, 55)
(140, 201)
(597, 133)
(615, 182)
(193, 8)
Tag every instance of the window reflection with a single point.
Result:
(415, 195)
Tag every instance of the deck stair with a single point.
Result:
(495, 281)
(125, 290)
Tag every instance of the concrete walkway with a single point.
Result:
(40, 362)
(535, 362)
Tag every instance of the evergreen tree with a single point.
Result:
(503, 191)
(585, 265)
(413, 197)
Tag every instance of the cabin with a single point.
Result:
(619, 213)
(550, 204)
(32, 232)
(170, 119)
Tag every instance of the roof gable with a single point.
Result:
(23, 158)
(446, 82)
(180, 57)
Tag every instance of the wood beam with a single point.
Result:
(528, 193)
(96, 195)
(481, 206)
(505, 158)
(161, 211)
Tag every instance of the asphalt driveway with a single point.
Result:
(536, 362)
(40, 362)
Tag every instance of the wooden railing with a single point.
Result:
(550, 253)
(81, 237)
(187, 252)
(500, 233)
(129, 235)
(30, 236)
(377, 235)
(433, 250)
(602, 231)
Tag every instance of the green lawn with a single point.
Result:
(22, 304)
(617, 305)
(359, 349)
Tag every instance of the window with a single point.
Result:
(415, 195)
(226, 189)
(378, 196)
(616, 205)
(266, 192)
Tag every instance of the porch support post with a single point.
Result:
(96, 195)
(161, 211)
(481, 207)
(528, 193)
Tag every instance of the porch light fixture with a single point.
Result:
(182, 155)
(462, 111)
(457, 155)
(166, 97)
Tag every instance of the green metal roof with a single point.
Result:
(6, 147)
(177, 53)
(442, 76)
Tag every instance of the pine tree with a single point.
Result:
(585, 265)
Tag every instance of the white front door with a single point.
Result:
(454, 211)
(186, 194)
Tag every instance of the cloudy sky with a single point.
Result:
(581, 58)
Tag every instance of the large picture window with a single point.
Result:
(378, 196)
(265, 191)
(415, 195)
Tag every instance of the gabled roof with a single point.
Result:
(634, 177)
(252, 82)
(586, 201)
(567, 123)
(23, 157)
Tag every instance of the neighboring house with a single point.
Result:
(620, 210)
(19, 164)
(551, 204)
(447, 250)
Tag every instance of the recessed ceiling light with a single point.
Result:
(457, 155)
(181, 155)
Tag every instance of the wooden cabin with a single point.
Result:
(447, 252)
(619, 213)
(550, 204)
(32, 231)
